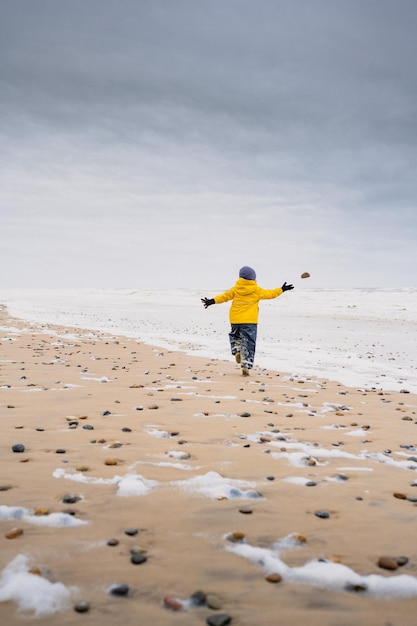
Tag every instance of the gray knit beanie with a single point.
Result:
(247, 272)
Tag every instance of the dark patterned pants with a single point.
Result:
(243, 340)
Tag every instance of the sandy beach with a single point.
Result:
(274, 497)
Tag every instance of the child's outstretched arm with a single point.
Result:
(207, 302)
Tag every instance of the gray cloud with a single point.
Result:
(272, 123)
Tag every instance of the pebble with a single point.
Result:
(5, 487)
(131, 532)
(222, 619)
(311, 483)
(18, 447)
(106, 413)
(273, 578)
(111, 462)
(138, 558)
(387, 562)
(82, 607)
(322, 514)
(13, 533)
(175, 604)
(213, 601)
(356, 588)
(400, 496)
(119, 590)
(113, 542)
(246, 510)
(236, 536)
(245, 414)
(60, 451)
(126, 430)
(41, 511)
(70, 498)
(88, 427)
(198, 598)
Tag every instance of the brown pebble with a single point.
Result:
(236, 536)
(82, 468)
(15, 532)
(273, 578)
(387, 562)
(400, 496)
(41, 511)
(35, 571)
(246, 510)
(172, 603)
(113, 542)
(111, 462)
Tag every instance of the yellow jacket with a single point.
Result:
(246, 295)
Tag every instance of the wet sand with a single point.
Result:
(302, 445)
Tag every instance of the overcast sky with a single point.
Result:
(166, 143)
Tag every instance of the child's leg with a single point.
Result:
(248, 344)
(235, 341)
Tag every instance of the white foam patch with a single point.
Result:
(358, 433)
(135, 485)
(102, 379)
(32, 592)
(129, 485)
(155, 432)
(178, 454)
(57, 520)
(215, 486)
(326, 575)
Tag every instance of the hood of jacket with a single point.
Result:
(245, 287)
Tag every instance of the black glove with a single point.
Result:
(207, 302)
(286, 287)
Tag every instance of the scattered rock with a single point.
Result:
(213, 601)
(400, 496)
(13, 533)
(138, 558)
(322, 514)
(236, 536)
(175, 604)
(245, 414)
(273, 578)
(82, 607)
(18, 447)
(131, 532)
(119, 590)
(113, 542)
(198, 598)
(387, 562)
(356, 587)
(70, 498)
(111, 462)
(41, 511)
(222, 619)
(245, 510)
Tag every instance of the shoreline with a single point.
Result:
(187, 452)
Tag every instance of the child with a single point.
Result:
(245, 296)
